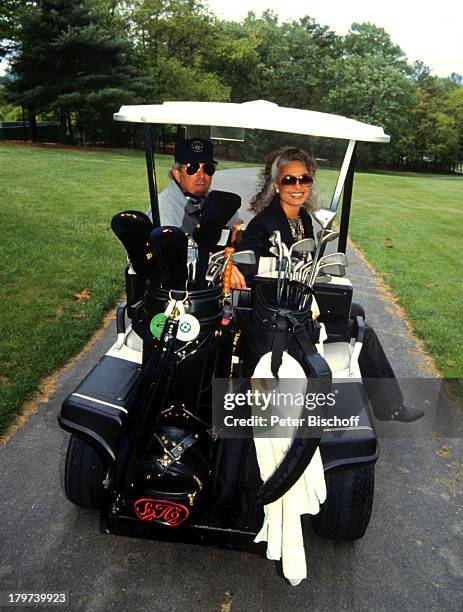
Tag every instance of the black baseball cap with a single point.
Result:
(194, 150)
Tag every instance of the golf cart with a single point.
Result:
(142, 449)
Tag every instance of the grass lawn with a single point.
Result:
(410, 227)
(62, 267)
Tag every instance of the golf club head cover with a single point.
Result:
(133, 228)
(217, 209)
(169, 246)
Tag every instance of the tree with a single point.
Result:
(8, 112)
(68, 62)
(420, 72)
(9, 11)
(371, 83)
(234, 56)
(454, 108)
(367, 40)
(171, 38)
(282, 63)
(437, 129)
(313, 48)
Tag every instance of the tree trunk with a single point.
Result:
(24, 123)
(32, 126)
(69, 122)
(62, 127)
(80, 129)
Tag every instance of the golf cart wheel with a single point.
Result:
(84, 475)
(346, 512)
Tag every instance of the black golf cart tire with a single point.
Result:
(345, 514)
(84, 475)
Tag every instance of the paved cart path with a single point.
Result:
(410, 558)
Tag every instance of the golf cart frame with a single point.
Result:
(94, 413)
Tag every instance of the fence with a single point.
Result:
(47, 131)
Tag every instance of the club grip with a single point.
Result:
(228, 270)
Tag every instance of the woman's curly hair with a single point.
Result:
(273, 162)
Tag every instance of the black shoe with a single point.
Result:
(407, 414)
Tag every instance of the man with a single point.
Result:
(191, 177)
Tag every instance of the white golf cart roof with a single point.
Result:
(258, 114)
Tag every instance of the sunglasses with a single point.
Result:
(193, 168)
(304, 179)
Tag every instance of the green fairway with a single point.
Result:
(62, 267)
(410, 227)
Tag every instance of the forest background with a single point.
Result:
(77, 62)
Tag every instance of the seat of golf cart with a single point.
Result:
(342, 360)
(342, 357)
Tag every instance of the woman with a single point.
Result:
(282, 203)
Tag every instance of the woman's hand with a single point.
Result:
(237, 279)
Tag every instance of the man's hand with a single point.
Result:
(237, 279)
(237, 232)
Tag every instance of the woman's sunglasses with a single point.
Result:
(304, 179)
(193, 168)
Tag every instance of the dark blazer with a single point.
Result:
(257, 234)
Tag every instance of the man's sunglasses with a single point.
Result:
(193, 168)
(304, 179)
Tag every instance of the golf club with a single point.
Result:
(334, 258)
(302, 247)
(296, 268)
(241, 257)
(323, 217)
(336, 261)
(214, 270)
(326, 232)
(275, 239)
(332, 270)
(215, 256)
(286, 266)
(274, 251)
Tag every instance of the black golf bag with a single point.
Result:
(270, 327)
(163, 463)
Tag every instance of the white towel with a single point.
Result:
(282, 529)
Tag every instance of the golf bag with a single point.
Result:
(271, 328)
(164, 458)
